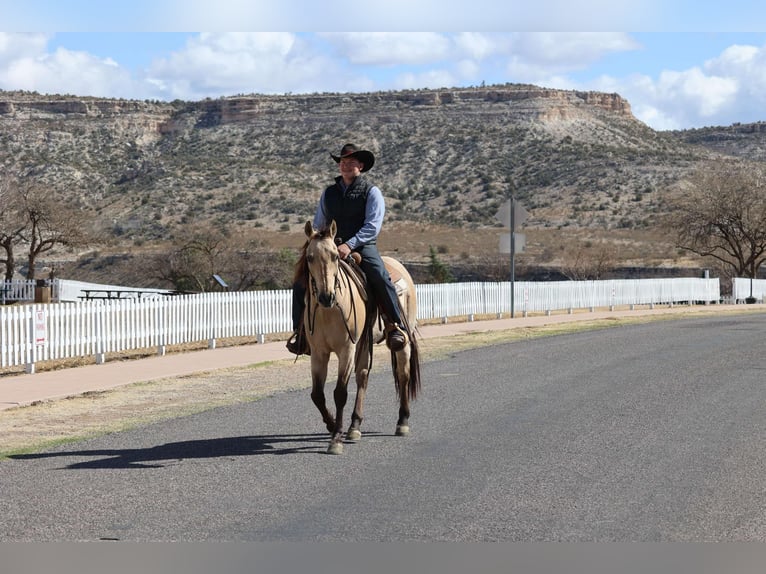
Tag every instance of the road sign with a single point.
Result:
(520, 243)
(503, 214)
(512, 214)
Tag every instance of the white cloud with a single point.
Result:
(677, 100)
(15, 46)
(721, 91)
(212, 65)
(65, 72)
(654, 117)
(429, 79)
(389, 48)
(747, 64)
(479, 46)
(567, 50)
(707, 94)
(467, 70)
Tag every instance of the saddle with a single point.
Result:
(355, 272)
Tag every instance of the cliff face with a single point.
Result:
(739, 140)
(519, 103)
(147, 122)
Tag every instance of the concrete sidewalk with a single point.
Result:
(20, 390)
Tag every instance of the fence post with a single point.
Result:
(30, 366)
(216, 318)
(162, 321)
(100, 333)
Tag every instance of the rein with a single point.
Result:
(342, 278)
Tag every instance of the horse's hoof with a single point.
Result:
(402, 430)
(354, 434)
(335, 448)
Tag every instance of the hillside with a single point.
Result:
(149, 172)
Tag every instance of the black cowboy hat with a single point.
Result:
(350, 150)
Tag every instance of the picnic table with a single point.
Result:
(91, 294)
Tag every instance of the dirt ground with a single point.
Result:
(48, 423)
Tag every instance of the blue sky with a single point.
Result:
(680, 64)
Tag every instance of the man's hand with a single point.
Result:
(343, 251)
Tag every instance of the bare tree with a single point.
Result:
(48, 223)
(31, 218)
(10, 224)
(586, 261)
(191, 264)
(722, 214)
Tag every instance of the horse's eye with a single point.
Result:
(335, 257)
(310, 258)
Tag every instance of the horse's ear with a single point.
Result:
(308, 228)
(333, 229)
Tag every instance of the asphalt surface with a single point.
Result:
(648, 432)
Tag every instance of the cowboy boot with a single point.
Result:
(397, 337)
(297, 344)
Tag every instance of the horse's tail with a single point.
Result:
(413, 385)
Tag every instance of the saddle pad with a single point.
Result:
(400, 284)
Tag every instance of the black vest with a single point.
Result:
(347, 208)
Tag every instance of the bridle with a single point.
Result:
(341, 280)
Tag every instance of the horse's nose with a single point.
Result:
(326, 299)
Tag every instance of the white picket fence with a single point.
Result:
(41, 332)
(49, 331)
(742, 288)
(61, 290)
(17, 291)
(456, 299)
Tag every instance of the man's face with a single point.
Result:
(350, 167)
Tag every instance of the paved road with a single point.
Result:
(639, 433)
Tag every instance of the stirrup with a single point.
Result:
(297, 344)
(397, 338)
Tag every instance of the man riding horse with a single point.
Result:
(358, 208)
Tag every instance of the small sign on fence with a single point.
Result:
(41, 331)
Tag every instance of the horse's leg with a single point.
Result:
(401, 360)
(318, 377)
(362, 376)
(341, 396)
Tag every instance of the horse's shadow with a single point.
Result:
(174, 452)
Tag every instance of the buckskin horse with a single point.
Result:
(340, 319)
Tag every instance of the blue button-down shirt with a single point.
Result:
(374, 212)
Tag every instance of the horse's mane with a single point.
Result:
(302, 266)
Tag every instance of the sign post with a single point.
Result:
(512, 214)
